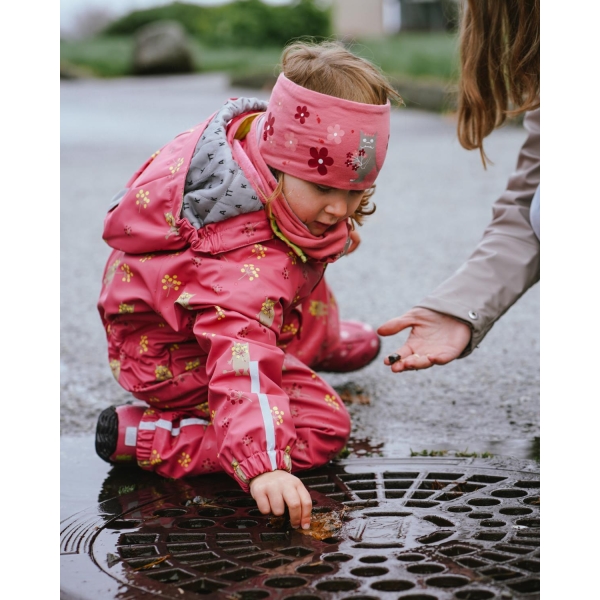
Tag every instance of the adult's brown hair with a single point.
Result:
(500, 66)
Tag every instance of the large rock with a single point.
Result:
(162, 48)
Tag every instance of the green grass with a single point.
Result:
(408, 55)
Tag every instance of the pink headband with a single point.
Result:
(323, 139)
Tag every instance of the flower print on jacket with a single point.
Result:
(335, 134)
(291, 141)
(269, 128)
(302, 114)
(320, 160)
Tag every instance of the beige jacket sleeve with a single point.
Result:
(506, 263)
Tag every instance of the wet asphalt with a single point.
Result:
(433, 202)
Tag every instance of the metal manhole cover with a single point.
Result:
(415, 529)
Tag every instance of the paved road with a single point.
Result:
(433, 202)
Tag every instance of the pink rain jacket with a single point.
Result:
(198, 316)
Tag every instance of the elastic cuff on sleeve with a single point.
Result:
(257, 464)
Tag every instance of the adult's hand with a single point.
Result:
(275, 489)
(434, 339)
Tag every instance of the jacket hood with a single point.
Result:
(187, 185)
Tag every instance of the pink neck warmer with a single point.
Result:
(327, 247)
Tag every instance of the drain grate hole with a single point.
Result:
(232, 494)
(230, 547)
(373, 559)
(528, 565)
(233, 536)
(490, 536)
(138, 563)
(534, 543)
(529, 585)
(354, 598)
(459, 509)
(240, 524)
(138, 551)
(445, 476)
(411, 557)
(362, 485)
(419, 597)
(211, 567)
(529, 522)
(392, 495)
(397, 485)
(471, 563)
(179, 548)
(203, 586)
(332, 540)
(295, 551)
(527, 484)
(197, 557)
(447, 581)
(495, 556)
(303, 597)
(244, 502)
(316, 479)
(400, 475)
(195, 523)
(339, 497)
(369, 571)
(256, 556)
(474, 595)
(500, 573)
(186, 537)
(493, 523)
(483, 502)
(353, 476)
(437, 536)
(273, 537)
(376, 546)
(480, 515)
(532, 501)
(275, 562)
(457, 550)
(421, 503)
(336, 557)
(324, 488)
(421, 495)
(285, 582)
(440, 521)
(170, 512)
(393, 585)
(486, 479)
(513, 549)
(254, 512)
(465, 487)
(138, 538)
(367, 495)
(314, 569)
(240, 574)
(216, 512)
(450, 496)
(170, 576)
(387, 513)
(426, 568)
(516, 511)
(252, 594)
(507, 493)
(337, 585)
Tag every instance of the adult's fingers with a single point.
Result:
(395, 325)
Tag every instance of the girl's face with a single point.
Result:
(319, 207)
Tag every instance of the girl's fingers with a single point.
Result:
(306, 502)
(292, 499)
(262, 501)
(276, 500)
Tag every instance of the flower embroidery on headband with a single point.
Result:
(302, 114)
(291, 141)
(269, 127)
(334, 133)
(320, 160)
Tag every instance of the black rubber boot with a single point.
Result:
(107, 432)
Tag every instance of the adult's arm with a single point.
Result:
(505, 264)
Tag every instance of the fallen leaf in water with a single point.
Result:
(153, 563)
(352, 393)
(324, 525)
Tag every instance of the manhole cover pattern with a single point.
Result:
(413, 533)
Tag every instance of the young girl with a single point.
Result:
(213, 298)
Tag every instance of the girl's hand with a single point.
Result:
(275, 489)
(435, 339)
